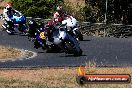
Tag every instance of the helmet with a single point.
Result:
(59, 8)
(8, 6)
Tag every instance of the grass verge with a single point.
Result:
(57, 78)
(9, 53)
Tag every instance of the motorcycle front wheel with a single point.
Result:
(72, 49)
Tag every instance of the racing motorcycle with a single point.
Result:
(37, 34)
(32, 28)
(17, 22)
(72, 26)
(68, 43)
(41, 41)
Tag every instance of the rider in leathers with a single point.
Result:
(8, 12)
(58, 17)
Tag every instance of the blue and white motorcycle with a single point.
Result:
(17, 23)
(68, 43)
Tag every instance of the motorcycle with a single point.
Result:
(68, 43)
(40, 40)
(37, 34)
(32, 28)
(17, 22)
(72, 27)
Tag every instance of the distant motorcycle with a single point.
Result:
(17, 22)
(32, 29)
(40, 40)
(72, 27)
(68, 43)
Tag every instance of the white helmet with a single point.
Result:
(59, 8)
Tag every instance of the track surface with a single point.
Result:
(102, 51)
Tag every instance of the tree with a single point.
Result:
(118, 11)
(35, 8)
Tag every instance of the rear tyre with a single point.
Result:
(9, 32)
(36, 45)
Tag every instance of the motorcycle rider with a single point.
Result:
(8, 12)
(32, 28)
(58, 17)
(35, 30)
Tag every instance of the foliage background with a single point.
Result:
(35, 8)
(119, 11)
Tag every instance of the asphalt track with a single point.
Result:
(102, 51)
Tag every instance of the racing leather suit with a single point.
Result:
(6, 17)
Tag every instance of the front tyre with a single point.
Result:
(71, 48)
(78, 53)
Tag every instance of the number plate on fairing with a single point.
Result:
(42, 35)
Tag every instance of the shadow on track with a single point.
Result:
(86, 40)
(50, 52)
(71, 55)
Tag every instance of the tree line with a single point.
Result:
(118, 11)
(36, 8)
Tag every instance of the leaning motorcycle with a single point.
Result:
(32, 29)
(41, 42)
(37, 34)
(17, 22)
(68, 43)
(72, 26)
